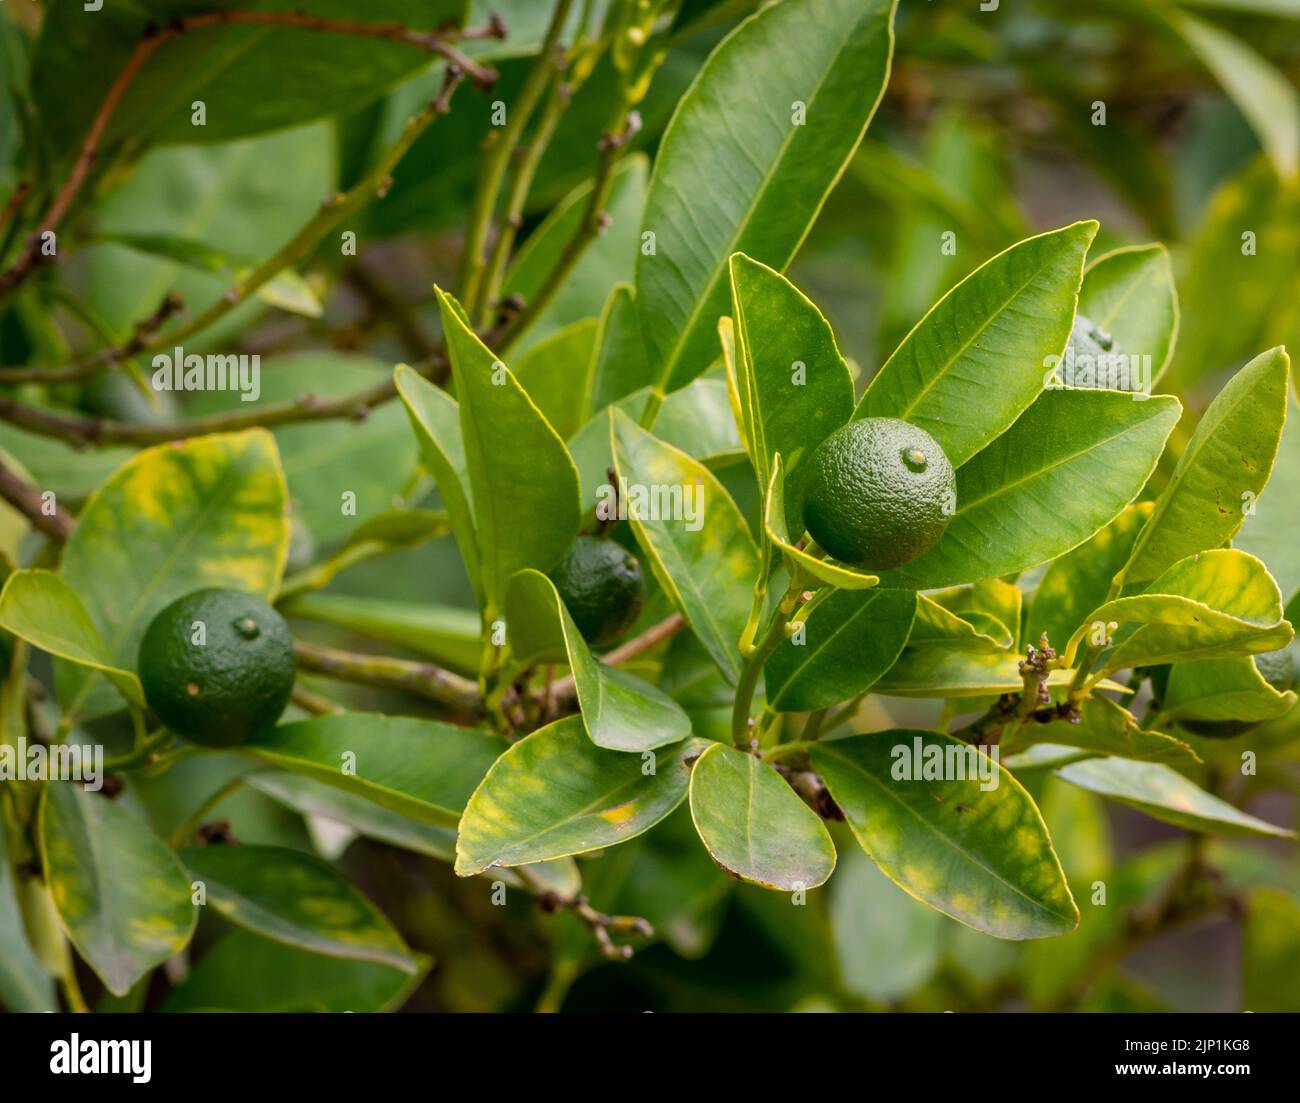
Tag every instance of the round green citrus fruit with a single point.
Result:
(878, 493)
(217, 666)
(602, 587)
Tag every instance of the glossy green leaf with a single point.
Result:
(39, 607)
(121, 894)
(739, 170)
(1223, 689)
(991, 604)
(620, 365)
(555, 793)
(209, 511)
(24, 983)
(936, 625)
(1130, 294)
(851, 639)
(978, 359)
(1222, 470)
(523, 482)
(1074, 585)
(705, 559)
(965, 838)
(793, 385)
(941, 671)
(1104, 728)
(1166, 795)
(297, 899)
(1066, 469)
(754, 825)
(824, 569)
(555, 370)
(1268, 531)
(424, 769)
(608, 261)
(245, 972)
(450, 636)
(621, 712)
(1216, 603)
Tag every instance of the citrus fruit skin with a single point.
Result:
(602, 586)
(233, 685)
(878, 492)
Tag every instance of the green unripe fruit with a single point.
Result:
(878, 493)
(217, 666)
(602, 586)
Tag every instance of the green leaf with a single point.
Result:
(619, 710)
(1221, 472)
(978, 359)
(449, 636)
(39, 607)
(1107, 729)
(252, 79)
(209, 511)
(850, 641)
(435, 419)
(1066, 469)
(1270, 952)
(1220, 602)
(946, 671)
(757, 177)
(826, 570)
(297, 899)
(121, 894)
(793, 385)
(24, 983)
(547, 372)
(936, 625)
(1165, 795)
(1130, 294)
(706, 560)
(245, 972)
(1268, 531)
(620, 365)
(555, 793)
(755, 826)
(424, 769)
(608, 261)
(965, 837)
(1265, 96)
(990, 604)
(523, 482)
(1223, 689)
(1074, 585)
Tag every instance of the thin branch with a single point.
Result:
(420, 679)
(563, 691)
(602, 926)
(25, 498)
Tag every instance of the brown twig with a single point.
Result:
(563, 691)
(16, 199)
(25, 498)
(602, 926)
(420, 679)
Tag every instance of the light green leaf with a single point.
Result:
(978, 359)
(121, 894)
(850, 641)
(1217, 603)
(555, 793)
(619, 710)
(1066, 469)
(39, 607)
(1165, 795)
(1268, 532)
(705, 559)
(297, 899)
(973, 846)
(209, 511)
(990, 604)
(523, 482)
(555, 370)
(424, 769)
(1130, 294)
(936, 625)
(24, 983)
(1223, 689)
(1270, 952)
(245, 972)
(793, 385)
(942, 671)
(754, 825)
(1221, 472)
(1106, 729)
(756, 176)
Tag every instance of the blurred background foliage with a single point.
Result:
(987, 129)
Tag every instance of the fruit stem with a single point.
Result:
(749, 673)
